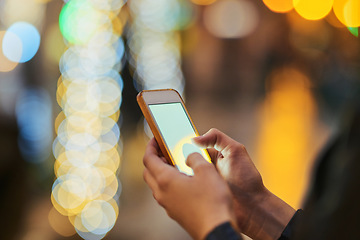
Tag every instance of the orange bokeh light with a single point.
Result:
(286, 120)
(313, 10)
(280, 6)
(348, 12)
(203, 2)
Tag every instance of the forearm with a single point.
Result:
(268, 218)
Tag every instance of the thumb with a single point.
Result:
(197, 162)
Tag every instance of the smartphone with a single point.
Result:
(171, 125)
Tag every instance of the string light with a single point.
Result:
(154, 43)
(90, 93)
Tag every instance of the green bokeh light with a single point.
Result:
(354, 31)
(79, 21)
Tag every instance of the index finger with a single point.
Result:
(216, 139)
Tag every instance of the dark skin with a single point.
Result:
(231, 189)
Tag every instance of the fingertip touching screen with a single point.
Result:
(177, 131)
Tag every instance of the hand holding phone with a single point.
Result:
(173, 129)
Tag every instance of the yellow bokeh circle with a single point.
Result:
(313, 10)
(280, 6)
(348, 12)
(203, 2)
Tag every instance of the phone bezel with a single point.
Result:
(160, 96)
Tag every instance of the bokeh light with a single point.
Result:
(152, 14)
(21, 42)
(340, 12)
(289, 106)
(203, 2)
(7, 65)
(333, 20)
(348, 12)
(97, 217)
(313, 10)
(79, 21)
(354, 31)
(235, 61)
(280, 6)
(12, 46)
(34, 113)
(154, 43)
(89, 92)
(231, 18)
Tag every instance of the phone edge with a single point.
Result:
(153, 127)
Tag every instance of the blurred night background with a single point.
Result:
(275, 75)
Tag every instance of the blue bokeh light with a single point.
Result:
(33, 114)
(29, 38)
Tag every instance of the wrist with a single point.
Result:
(215, 220)
(268, 217)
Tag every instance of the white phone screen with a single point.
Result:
(177, 131)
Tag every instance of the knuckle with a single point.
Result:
(239, 147)
(214, 130)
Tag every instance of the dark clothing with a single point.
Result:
(223, 232)
(289, 229)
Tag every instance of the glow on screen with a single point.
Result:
(176, 129)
